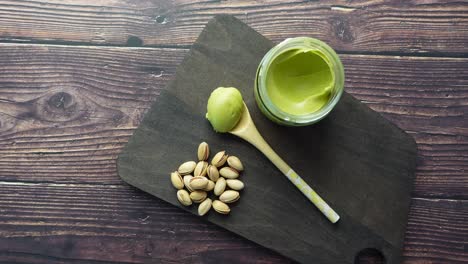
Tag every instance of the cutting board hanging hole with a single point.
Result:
(369, 255)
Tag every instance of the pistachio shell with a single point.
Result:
(187, 167)
(198, 196)
(204, 207)
(212, 173)
(176, 180)
(203, 151)
(220, 186)
(219, 159)
(229, 196)
(221, 207)
(235, 184)
(210, 186)
(184, 197)
(229, 173)
(200, 169)
(187, 179)
(198, 183)
(235, 163)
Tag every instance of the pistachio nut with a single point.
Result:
(235, 163)
(184, 197)
(198, 183)
(212, 173)
(210, 186)
(220, 186)
(221, 207)
(200, 169)
(204, 207)
(198, 196)
(235, 184)
(187, 167)
(203, 151)
(229, 173)
(176, 180)
(187, 179)
(229, 196)
(219, 159)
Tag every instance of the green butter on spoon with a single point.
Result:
(228, 113)
(224, 108)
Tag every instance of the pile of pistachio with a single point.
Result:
(216, 177)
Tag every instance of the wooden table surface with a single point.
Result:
(76, 77)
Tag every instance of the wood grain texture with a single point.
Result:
(80, 223)
(66, 112)
(428, 98)
(419, 26)
(427, 239)
(58, 223)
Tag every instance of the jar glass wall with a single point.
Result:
(266, 100)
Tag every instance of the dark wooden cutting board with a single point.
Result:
(358, 161)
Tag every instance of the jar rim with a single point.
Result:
(292, 43)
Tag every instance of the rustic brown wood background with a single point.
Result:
(77, 76)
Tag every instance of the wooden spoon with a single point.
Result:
(246, 130)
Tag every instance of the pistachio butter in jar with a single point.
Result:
(299, 81)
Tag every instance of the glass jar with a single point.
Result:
(265, 102)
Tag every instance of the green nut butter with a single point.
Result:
(300, 81)
(224, 108)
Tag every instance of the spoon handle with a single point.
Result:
(257, 140)
(312, 196)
